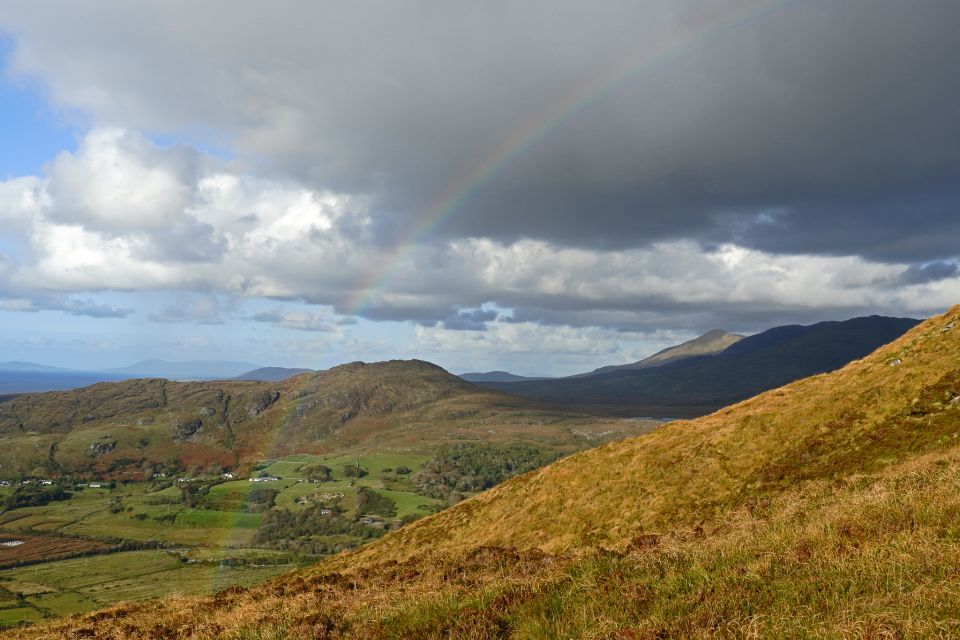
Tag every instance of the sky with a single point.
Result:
(543, 186)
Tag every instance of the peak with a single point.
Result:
(716, 333)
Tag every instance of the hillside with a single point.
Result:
(709, 343)
(696, 385)
(114, 429)
(826, 508)
(270, 374)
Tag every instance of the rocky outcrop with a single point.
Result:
(261, 402)
(102, 448)
(186, 430)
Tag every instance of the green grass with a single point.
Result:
(411, 503)
(209, 519)
(73, 586)
(13, 616)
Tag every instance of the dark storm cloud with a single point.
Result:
(931, 272)
(843, 115)
(472, 320)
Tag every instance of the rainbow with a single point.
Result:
(738, 13)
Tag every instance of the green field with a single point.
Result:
(83, 584)
(203, 536)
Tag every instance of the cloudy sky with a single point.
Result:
(542, 186)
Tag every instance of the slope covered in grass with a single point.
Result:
(825, 509)
(117, 430)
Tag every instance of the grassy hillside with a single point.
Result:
(824, 509)
(696, 385)
(128, 429)
(351, 453)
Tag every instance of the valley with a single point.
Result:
(825, 508)
(164, 487)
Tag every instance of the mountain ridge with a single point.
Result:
(352, 407)
(710, 343)
(271, 374)
(186, 369)
(696, 385)
(498, 376)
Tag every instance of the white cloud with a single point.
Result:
(182, 221)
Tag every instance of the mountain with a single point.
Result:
(115, 429)
(40, 379)
(33, 367)
(271, 374)
(18, 377)
(189, 370)
(709, 343)
(496, 376)
(825, 508)
(696, 385)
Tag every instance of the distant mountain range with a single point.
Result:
(31, 367)
(692, 385)
(30, 377)
(189, 370)
(271, 374)
(497, 376)
(708, 344)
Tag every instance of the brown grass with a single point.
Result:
(826, 509)
(43, 548)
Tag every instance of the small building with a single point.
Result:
(95, 485)
(264, 479)
(46, 482)
(227, 476)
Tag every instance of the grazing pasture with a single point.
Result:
(64, 587)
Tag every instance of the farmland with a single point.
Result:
(151, 474)
(72, 586)
(22, 549)
(198, 549)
